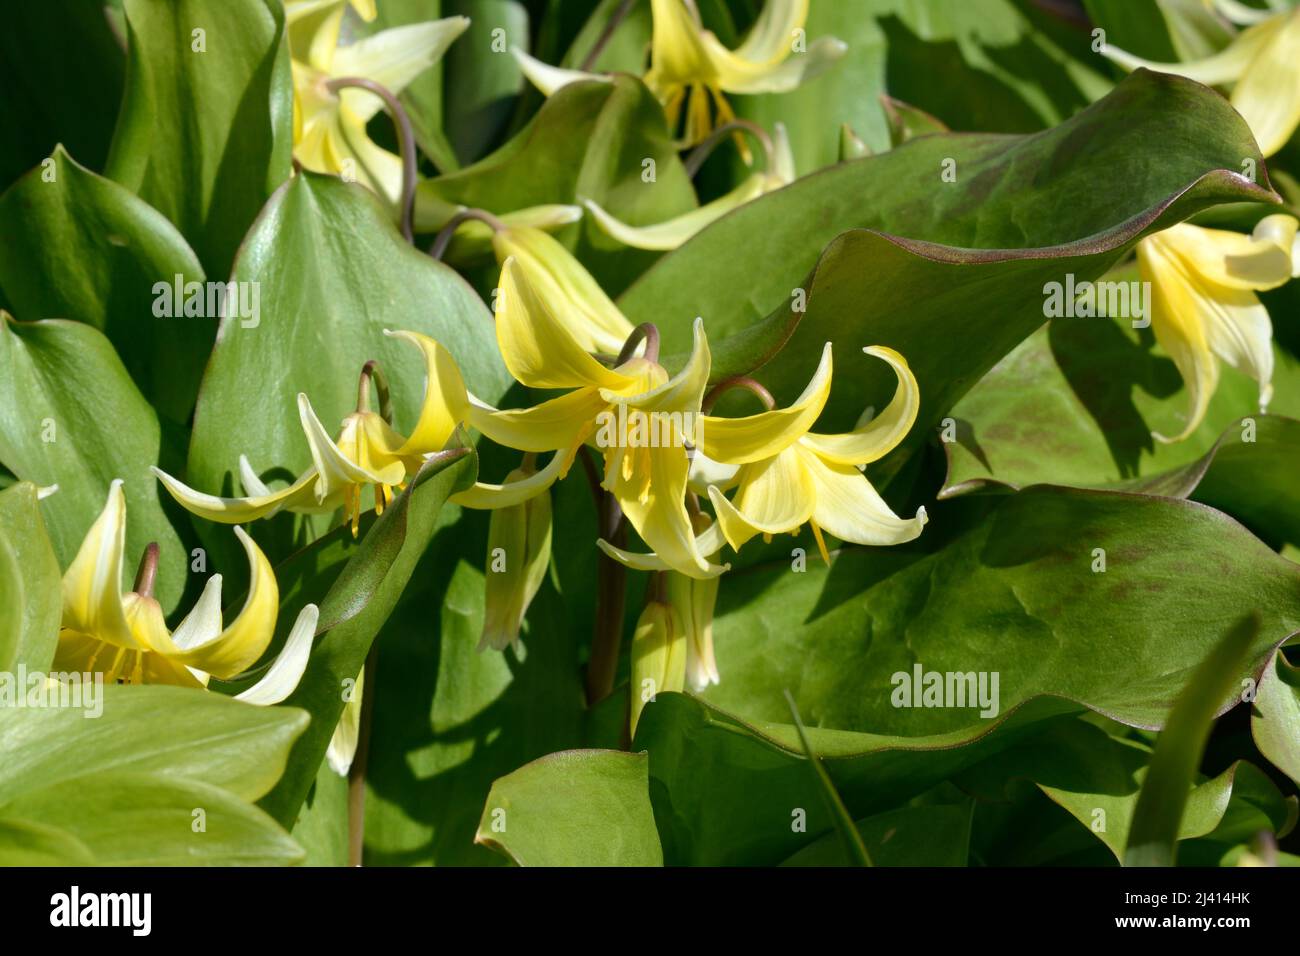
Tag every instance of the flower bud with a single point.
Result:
(519, 551)
(658, 656)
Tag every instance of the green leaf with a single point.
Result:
(98, 780)
(31, 591)
(964, 286)
(333, 274)
(588, 141)
(576, 808)
(1157, 819)
(1014, 595)
(1275, 720)
(354, 609)
(81, 247)
(70, 415)
(483, 81)
(205, 136)
(75, 104)
(1096, 778)
(932, 835)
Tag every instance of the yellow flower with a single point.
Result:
(519, 552)
(329, 130)
(1262, 64)
(367, 452)
(671, 234)
(788, 476)
(125, 637)
(694, 600)
(658, 656)
(1203, 302)
(690, 68)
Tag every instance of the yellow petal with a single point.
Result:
(393, 58)
(519, 552)
(1268, 93)
(1262, 260)
(92, 585)
(771, 38)
(1226, 66)
(558, 423)
(335, 471)
(774, 496)
(677, 53)
(238, 647)
(576, 300)
(658, 657)
(708, 543)
(549, 78)
(673, 232)
(343, 744)
(878, 437)
(486, 497)
(849, 508)
(537, 347)
(735, 74)
(287, 669)
(738, 441)
(299, 496)
(683, 392)
(446, 401)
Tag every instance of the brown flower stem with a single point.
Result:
(695, 159)
(148, 571)
(405, 143)
(737, 381)
(645, 332)
(443, 239)
(602, 41)
(357, 772)
(372, 373)
(602, 667)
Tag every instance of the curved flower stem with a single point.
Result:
(602, 667)
(695, 159)
(148, 571)
(357, 772)
(737, 381)
(645, 332)
(611, 25)
(405, 142)
(371, 372)
(443, 239)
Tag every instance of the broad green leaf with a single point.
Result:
(333, 274)
(1275, 720)
(482, 81)
(354, 609)
(82, 247)
(931, 835)
(31, 591)
(154, 819)
(75, 103)
(575, 808)
(23, 843)
(322, 827)
(205, 131)
(209, 739)
(1014, 596)
(1096, 778)
(606, 142)
(1161, 806)
(965, 285)
(70, 415)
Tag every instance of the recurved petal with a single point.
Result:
(557, 423)
(878, 437)
(343, 745)
(298, 496)
(487, 497)
(203, 623)
(849, 508)
(1268, 93)
(677, 51)
(238, 647)
(393, 58)
(560, 280)
(1263, 260)
(1180, 314)
(771, 39)
(738, 441)
(334, 469)
(1223, 67)
(92, 585)
(708, 543)
(684, 391)
(671, 233)
(375, 167)
(288, 667)
(775, 496)
(549, 78)
(738, 75)
(538, 348)
(446, 401)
